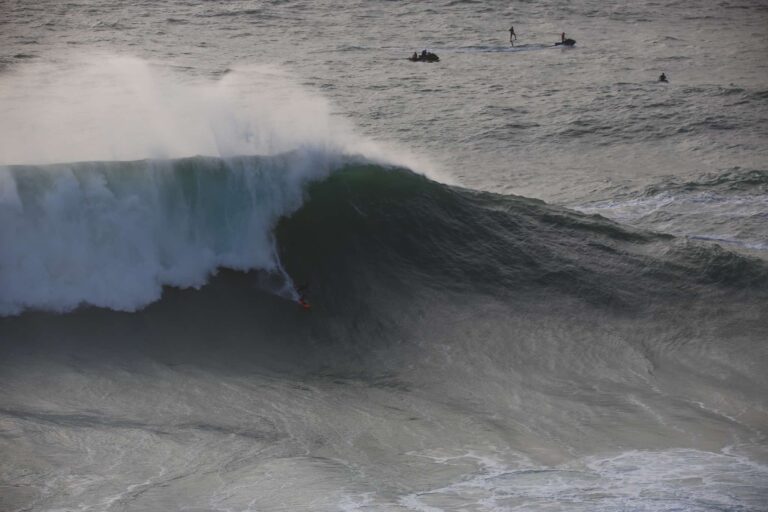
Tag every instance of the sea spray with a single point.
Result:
(102, 107)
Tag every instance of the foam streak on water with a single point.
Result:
(647, 481)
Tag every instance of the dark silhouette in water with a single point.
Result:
(512, 35)
(424, 57)
(565, 42)
(663, 78)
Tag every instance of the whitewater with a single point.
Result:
(538, 277)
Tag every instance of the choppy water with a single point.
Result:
(169, 173)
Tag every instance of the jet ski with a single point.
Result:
(424, 56)
(565, 42)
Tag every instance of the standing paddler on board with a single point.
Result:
(512, 36)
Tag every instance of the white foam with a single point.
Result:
(678, 479)
(113, 235)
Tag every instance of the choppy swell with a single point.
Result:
(112, 234)
(727, 206)
(753, 181)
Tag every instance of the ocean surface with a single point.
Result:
(538, 276)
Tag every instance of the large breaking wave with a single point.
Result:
(112, 234)
(103, 200)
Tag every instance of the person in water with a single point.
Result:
(663, 78)
(512, 36)
(415, 56)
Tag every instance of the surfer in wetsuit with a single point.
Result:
(302, 300)
(512, 36)
(663, 78)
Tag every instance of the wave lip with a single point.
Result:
(112, 234)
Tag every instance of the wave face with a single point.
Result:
(112, 234)
(409, 227)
